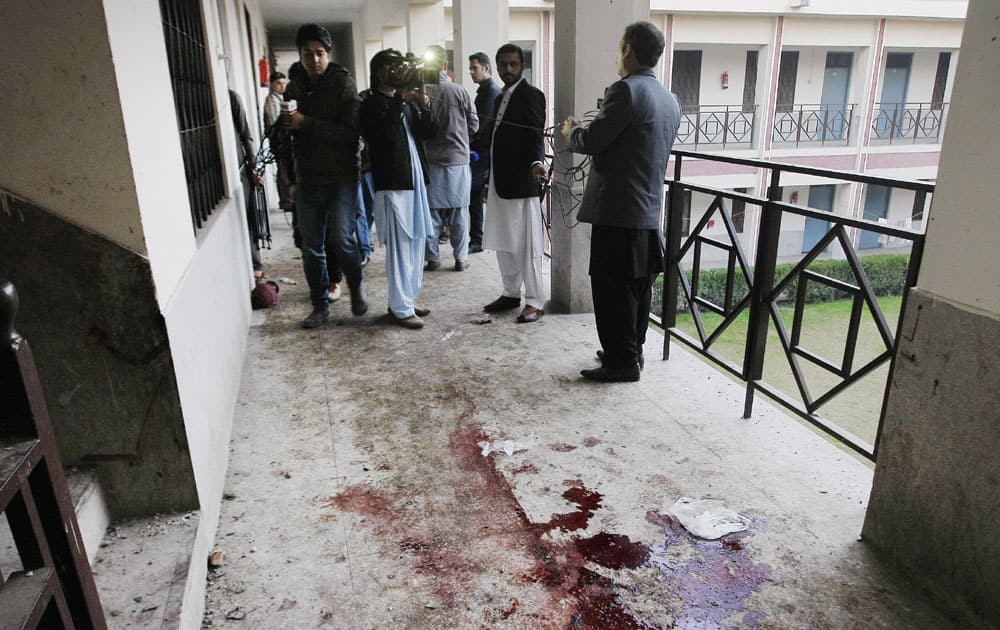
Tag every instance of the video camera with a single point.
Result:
(411, 71)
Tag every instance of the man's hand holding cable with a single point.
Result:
(568, 126)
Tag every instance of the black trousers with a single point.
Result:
(477, 215)
(621, 308)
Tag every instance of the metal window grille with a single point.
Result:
(184, 33)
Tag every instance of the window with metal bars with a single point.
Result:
(184, 32)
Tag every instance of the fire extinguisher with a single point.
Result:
(265, 72)
(725, 80)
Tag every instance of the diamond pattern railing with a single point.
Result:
(764, 290)
(813, 124)
(716, 126)
(909, 122)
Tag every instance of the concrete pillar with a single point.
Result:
(395, 37)
(587, 35)
(934, 508)
(425, 25)
(477, 26)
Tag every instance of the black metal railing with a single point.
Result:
(909, 122)
(716, 126)
(765, 287)
(812, 124)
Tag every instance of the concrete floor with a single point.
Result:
(357, 496)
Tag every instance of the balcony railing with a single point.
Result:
(909, 122)
(813, 124)
(755, 288)
(716, 126)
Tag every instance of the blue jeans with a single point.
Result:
(328, 209)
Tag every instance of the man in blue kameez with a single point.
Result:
(394, 121)
(448, 163)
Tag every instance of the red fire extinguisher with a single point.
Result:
(265, 72)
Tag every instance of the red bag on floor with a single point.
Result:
(264, 295)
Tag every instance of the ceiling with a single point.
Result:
(287, 15)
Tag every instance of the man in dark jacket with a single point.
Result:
(515, 228)
(630, 140)
(480, 69)
(325, 146)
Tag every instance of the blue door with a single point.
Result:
(820, 198)
(876, 207)
(893, 105)
(833, 106)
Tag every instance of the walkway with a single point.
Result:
(358, 497)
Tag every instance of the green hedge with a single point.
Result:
(886, 273)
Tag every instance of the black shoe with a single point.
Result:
(612, 375)
(317, 318)
(642, 360)
(359, 305)
(475, 248)
(432, 265)
(461, 265)
(365, 259)
(502, 303)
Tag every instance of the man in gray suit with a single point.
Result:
(630, 141)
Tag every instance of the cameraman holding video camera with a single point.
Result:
(395, 119)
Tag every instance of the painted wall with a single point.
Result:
(718, 29)
(930, 511)
(66, 58)
(939, 9)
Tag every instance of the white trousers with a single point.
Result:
(517, 269)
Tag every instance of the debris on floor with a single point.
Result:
(448, 335)
(287, 280)
(503, 446)
(217, 558)
(706, 518)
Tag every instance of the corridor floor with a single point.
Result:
(357, 494)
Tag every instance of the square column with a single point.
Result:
(587, 35)
(477, 25)
(425, 25)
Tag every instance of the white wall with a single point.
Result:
(135, 31)
(719, 29)
(923, 34)
(940, 9)
(966, 212)
(74, 164)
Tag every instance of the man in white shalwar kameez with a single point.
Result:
(400, 204)
(514, 227)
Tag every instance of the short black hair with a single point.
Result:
(313, 33)
(510, 48)
(380, 59)
(275, 76)
(647, 42)
(482, 58)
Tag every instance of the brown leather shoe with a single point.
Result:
(421, 311)
(412, 322)
(530, 314)
(502, 303)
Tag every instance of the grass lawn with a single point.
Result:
(824, 332)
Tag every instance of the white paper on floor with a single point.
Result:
(707, 518)
(503, 446)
